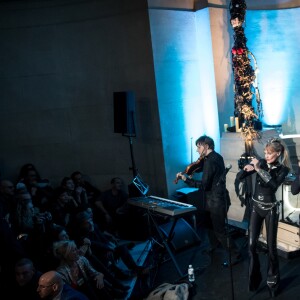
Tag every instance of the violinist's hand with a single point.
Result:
(181, 176)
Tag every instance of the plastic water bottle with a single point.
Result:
(191, 274)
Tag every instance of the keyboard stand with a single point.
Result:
(166, 241)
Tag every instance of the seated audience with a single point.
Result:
(30, 227)
(113, 207)
(80, 201)
(77, 271)
(39, 189)
(7, 199)
(92, 192)
(59, 233)
(26, 280)
(52, 287)
(105, 247)
(11, 251)
(24, 171)
(62, 207)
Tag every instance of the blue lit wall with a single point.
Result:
(274, 38)
(187, 88)
(185, 83)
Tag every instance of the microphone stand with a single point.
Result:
(130, 135)
(228, 247)
(131, 188)
(223, 179)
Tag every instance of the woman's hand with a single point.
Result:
(252, 166)
(87, 241)
(99, 281)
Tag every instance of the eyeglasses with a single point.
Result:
(46, 286)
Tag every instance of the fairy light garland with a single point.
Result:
(245, 77)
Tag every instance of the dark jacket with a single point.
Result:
(213, 182)
(265, 191)
(68, 293)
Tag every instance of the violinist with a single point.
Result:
(216, 197)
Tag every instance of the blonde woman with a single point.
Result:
(77, 271)
(270, 174)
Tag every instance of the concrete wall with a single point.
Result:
(61, 61)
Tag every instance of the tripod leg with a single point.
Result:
(165, 242)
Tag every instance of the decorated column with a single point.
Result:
(245, 77)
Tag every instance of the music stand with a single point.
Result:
(140, 185)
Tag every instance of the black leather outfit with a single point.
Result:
(217, 202)
(265, 207)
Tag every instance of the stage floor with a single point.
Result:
(213, 281)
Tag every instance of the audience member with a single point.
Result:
(113, 207)
(52, 287)
(80, 201)
(106, 247)
(11, 251)
(7, 199)
(26, 280)
(24, 171)
(40, 189)
(92, 192)
(30, 227)
(59, 233)
(62, 207)
(77, 271)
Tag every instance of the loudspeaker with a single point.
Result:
(183, 236)
(124, 112)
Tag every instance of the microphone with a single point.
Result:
(222, 177)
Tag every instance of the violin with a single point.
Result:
(196, 166)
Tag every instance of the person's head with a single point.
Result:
(7, 188)
(77, 178)
(62, 196)
(26, 170)
(50, 285)
(25, 209)
(24, 271)
(205, 145)
(68, 184)
(275, 150)
(59, 233)
(116, 183)
(85, 221)
(31, 177)
(66, 251)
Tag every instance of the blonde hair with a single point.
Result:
(277, 145)
(62, 249)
